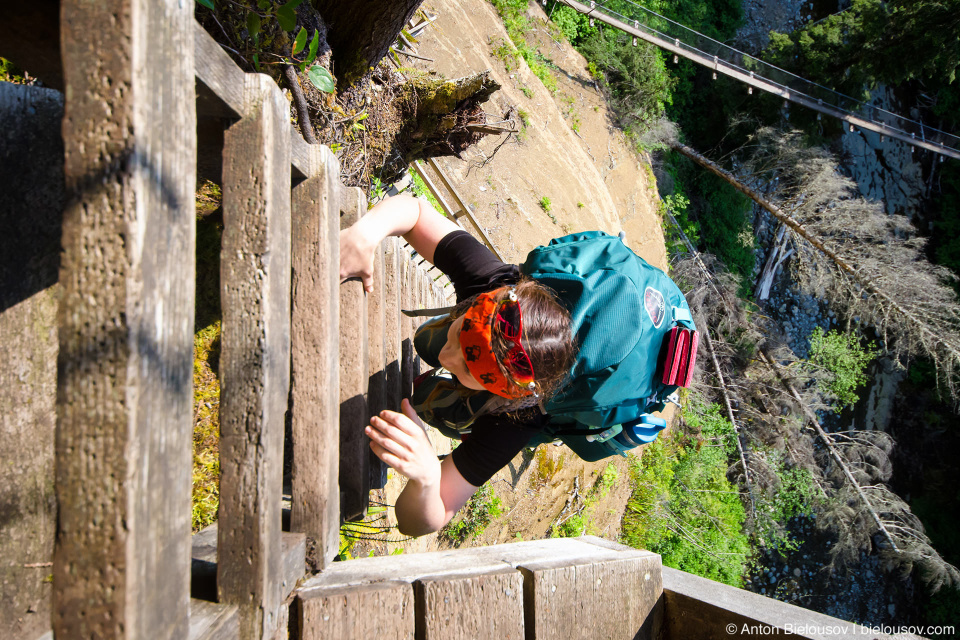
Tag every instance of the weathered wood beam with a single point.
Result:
(211, 621)
(255, 354)
(384, 610)
(315, 349)
(696, 607)
(484, 603)
(204, 562)
(613, 598)
(571, 587)
(121, 563)
(221, 80)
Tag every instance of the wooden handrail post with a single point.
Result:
(124, 401)
(255, 354)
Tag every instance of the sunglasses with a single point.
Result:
(508, 320)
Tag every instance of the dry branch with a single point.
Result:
(933, 325)
(828, 442)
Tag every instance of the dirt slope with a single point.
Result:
(595, 168)
(593, 180)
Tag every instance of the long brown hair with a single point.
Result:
(546, 338)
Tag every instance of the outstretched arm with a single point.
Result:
(435, 491)
(413, 218)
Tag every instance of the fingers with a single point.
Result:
(388, 458)
(389, 437)
(409, 411)
(407, 423)
(356, 258)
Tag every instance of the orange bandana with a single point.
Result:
(477, 347)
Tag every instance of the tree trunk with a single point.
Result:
(778, 254)
(427, 117)
(361, 32)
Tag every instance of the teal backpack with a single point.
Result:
(622, 308)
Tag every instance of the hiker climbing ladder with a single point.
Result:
(122, 400)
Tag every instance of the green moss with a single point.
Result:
(206, 430)
(546, 467)
(206, 344)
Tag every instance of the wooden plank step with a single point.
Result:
(410, 567)
(203, 583)
(315, 350)
(354, 376)
(211, 621)
(377, 361)
(392, 300)
(407, 325)
(391, 384)
(255, 356)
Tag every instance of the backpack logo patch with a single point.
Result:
(655, 306)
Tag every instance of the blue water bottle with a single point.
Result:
(642, 432)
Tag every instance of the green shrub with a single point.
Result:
(725, 226)
(517, 24)
(10, 72)
(714, 216)
(683, 507)
(420, 190)
(792, 497)
(608, 478)
(844, 358)
(573, 24)
(473, 518)
(572, 527)
(636, 78)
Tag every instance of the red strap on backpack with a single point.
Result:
(681, 356)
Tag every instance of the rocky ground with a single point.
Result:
(761, 17)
